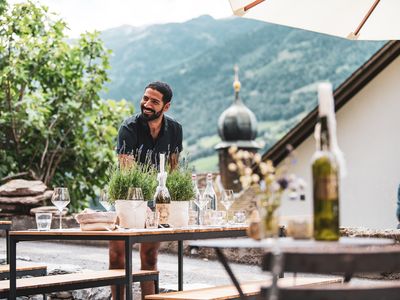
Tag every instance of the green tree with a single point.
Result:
(53, 124)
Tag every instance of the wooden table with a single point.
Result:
(129, 236)
(6, 226)
(296, 252)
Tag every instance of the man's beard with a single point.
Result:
(155, 115)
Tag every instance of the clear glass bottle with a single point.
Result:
(325, 171)
(194, 209)
(162, 198)
(196, 190)
(210, 193)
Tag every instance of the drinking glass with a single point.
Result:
(227, 199)
(152, 219)
(201, 201)
(239, 216)
(218, 217)
(194, 213)
(60, 199)
(43, 220)
(104, 200)
(193, 217)
(135, 194)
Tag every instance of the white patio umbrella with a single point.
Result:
(352, 19)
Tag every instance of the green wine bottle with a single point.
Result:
(325, 173)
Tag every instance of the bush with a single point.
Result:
(53, 124)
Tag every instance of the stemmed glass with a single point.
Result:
(60, 199)
(135, 194)
(201, 201)
(104, 200)
(227, 199)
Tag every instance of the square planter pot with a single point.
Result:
(131, 214)
(179, 213)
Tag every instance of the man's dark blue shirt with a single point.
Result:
(134, 138)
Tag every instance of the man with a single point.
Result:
(143, 137)
(149, 133)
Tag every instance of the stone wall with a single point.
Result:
(364, 232)
(19, 196)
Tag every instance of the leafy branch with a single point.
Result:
(53, 124)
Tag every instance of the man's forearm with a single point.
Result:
(174, 160)
(125, 161)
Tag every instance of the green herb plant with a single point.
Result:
(179, 183)
(142, 176)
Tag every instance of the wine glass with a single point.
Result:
(201, 201)
(135, 194)
(227, 199)
(60, 199)
(104, 200)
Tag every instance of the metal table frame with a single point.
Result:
(129, 237)
(6, 226)
(276, 249)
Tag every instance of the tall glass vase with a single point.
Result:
(268, 206)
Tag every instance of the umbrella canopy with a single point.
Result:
(352, 19)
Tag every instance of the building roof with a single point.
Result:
(237, 122)
(343, 94)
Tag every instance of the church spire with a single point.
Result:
(236, 84)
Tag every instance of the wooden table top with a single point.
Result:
(5, 222)
(129, 232)
(290, 244)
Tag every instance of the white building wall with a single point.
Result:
(369, 136)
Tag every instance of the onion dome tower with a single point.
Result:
(237, 126)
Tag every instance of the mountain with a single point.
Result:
(279, 69)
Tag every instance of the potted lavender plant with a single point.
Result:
(180, 187)
(132, 212)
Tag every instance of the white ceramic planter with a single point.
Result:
(130, 214)
(179, 213)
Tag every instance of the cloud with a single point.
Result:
(89, 15)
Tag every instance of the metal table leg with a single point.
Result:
(13, 268)
(128, 267)
(8, 246)
(180, 265)
(228, 269)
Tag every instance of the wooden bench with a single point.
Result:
(75, 281)
(250, 289)
(23, 271)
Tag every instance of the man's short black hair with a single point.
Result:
(163, 88)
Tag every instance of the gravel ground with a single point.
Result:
(72, 257)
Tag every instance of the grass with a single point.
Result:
(270, 125)
(209, 141)
(206, 164)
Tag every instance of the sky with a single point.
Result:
(89, 15)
